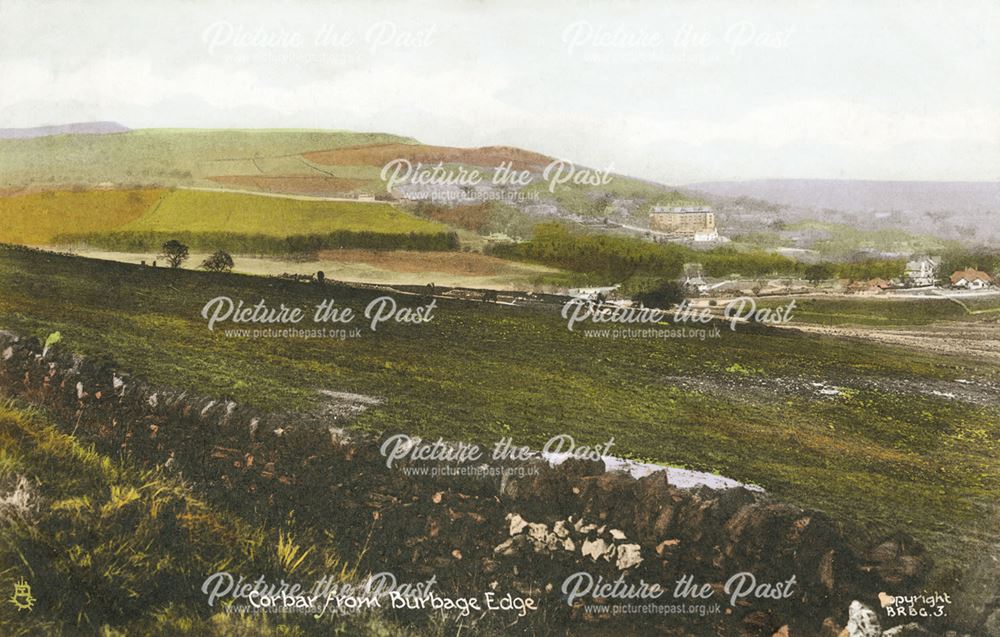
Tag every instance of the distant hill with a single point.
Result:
(316, 163)
(858, 195)
(176, 157)
(79, 128)
(965, 211)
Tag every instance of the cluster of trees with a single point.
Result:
(755, 263)
(623, 258)
(983, 259)
(663, 294)
(869, 269)
(177, 253)
(856, 270)
(237, 243)
(618, 258)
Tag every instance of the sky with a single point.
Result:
(678, 91)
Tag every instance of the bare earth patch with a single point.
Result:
(458, 269)
(976, 339)
(379, 155)
(461, 263)
(291, 184)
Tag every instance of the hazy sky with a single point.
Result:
(677, 91)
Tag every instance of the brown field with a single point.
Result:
(379, 155)
(291, 184)
(459, 269)
(970, 340)
(458, 263)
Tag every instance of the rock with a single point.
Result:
(830, 628)
(906, 630)
(898, 560)
(629, 555)
(580, 467)
(862, 621)
(992, 624)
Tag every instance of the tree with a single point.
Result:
(175, 252)
(818, 272)
(218, 262)
(663, 295)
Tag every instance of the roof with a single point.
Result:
(915, 263)
(970, 274)
(679, 209)
(870, 284)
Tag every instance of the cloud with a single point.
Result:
(461, 74)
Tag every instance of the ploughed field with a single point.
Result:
(879, 436)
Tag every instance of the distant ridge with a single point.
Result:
(78, 128)
(864, 195)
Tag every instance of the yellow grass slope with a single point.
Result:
(34, 219)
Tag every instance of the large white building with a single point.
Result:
(922, 271)
(694, 222)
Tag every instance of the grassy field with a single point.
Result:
(36, 219)
(885, 451)
(144, 219)
(204, 211)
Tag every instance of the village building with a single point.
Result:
(595, 293)
(869, 287)
(922, 271)
(971, 279)
(694, 222)
(694, 278)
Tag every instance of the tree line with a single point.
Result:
(618, 258)
(239, 243)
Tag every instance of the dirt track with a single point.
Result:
(980, 340)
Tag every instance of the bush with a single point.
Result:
(218, 262)
(818, 272)
(175, 252)
(663, 295)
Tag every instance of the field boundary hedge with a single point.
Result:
(239, 243)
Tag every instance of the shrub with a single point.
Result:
(663, 295)
(175, 252)
(218, 262)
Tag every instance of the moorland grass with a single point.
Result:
(883, 454)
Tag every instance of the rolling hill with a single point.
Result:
(958, 210)
(79, 128)
(302, 162)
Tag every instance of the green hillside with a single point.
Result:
(203, 211)
(168, 156)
